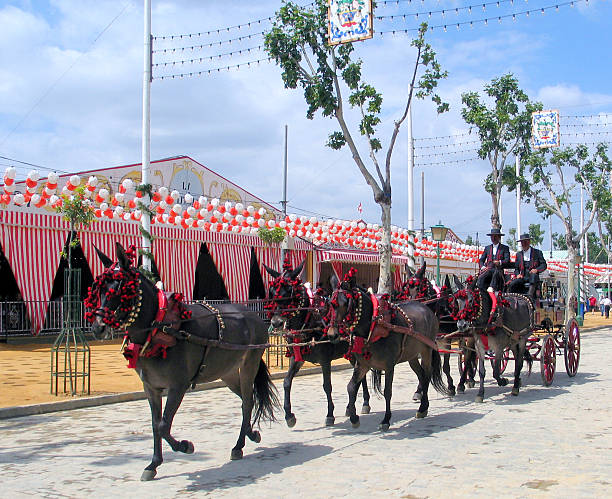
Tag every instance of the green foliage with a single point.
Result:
(504, 129)
(537, 234)
(298, 44)
(272, 236)
(469, 241)
(511, 239)
(77, 210)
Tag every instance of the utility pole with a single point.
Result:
(145, 219)
(550, 234)
(422, 260)
(518, 196)
(410, 186)
(284, 201)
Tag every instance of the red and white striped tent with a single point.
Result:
(32, 243)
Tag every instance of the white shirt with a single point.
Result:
(495, 246)
(527, 255)
(606, 301)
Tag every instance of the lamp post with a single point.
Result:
(438, 233)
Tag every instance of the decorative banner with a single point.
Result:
(545, 129)
(349, 21)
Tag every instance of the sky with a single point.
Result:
(71, 96)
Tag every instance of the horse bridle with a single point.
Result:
(351, 309)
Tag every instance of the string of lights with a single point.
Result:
(447, 153)
(450, 144)
(212, 70)
(214, 31)
(208, 45)
(198, 60)
(443, 12)
(484, 20)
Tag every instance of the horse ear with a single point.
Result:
(298, 270)
(272, 272)
(123, 259)
(421, 271)
(447, 282)
(458, 282)
(409, 272)
(333, 281)
(106, 261)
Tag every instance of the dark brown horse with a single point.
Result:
(299, 312)
(351, 315)
(510, 326)
(224, 343)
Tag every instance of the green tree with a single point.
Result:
(298, 43)
(469, 241)
(597, 251)
(504, 130)
(555, 177)
(511, 239)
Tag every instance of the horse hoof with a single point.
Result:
(188, 446)
(461, 389)
(452, 392)
(355, 422)
(471, 384)
(503, 382)
(421, 415)
(330, 420)
(236, 454)
(347, 413)
(515, 392)
(479, 399)
(148, 475)
(416, 397)
(365, 409)
(291, 421)
(255, 437)
(383, 426)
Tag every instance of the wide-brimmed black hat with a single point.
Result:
(496, 232)
(524, 237)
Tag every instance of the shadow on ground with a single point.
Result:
(257, 465)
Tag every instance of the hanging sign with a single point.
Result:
(349, 21)
(545, 129)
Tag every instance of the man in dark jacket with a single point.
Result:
(494, 259)
(529, 264)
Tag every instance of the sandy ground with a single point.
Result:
(25, 370)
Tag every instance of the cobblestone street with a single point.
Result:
(549, 442)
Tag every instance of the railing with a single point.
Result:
(15, 320)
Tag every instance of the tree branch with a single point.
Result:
(372, 152)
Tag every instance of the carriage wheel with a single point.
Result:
(504, 360)
(572, 347)
(548, 360)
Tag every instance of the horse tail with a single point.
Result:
(529, 359)
(376, 380)
(265, 394)
(436, 374)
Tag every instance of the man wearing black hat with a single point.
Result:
(493, 260)
(529, 263)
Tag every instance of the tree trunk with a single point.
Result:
(495, 211)
(571, 281)
(385, 284)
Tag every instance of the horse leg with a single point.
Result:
(365, 408)
(424, 378)
(418, 394)
(327, 388)
(384, 424)
(464, 375)
(497, 367)
(173, 401)
(248, 371)
(294, 367)
(447, 370)
(481, 369)
(155, 403)
(359, 373)
(518, 366)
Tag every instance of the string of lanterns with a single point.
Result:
(215, 216)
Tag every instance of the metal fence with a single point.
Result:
(15, 322)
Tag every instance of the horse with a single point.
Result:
(193, 344)
(410, 331)
(472, 308)
(419, 288)
(291, 308)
